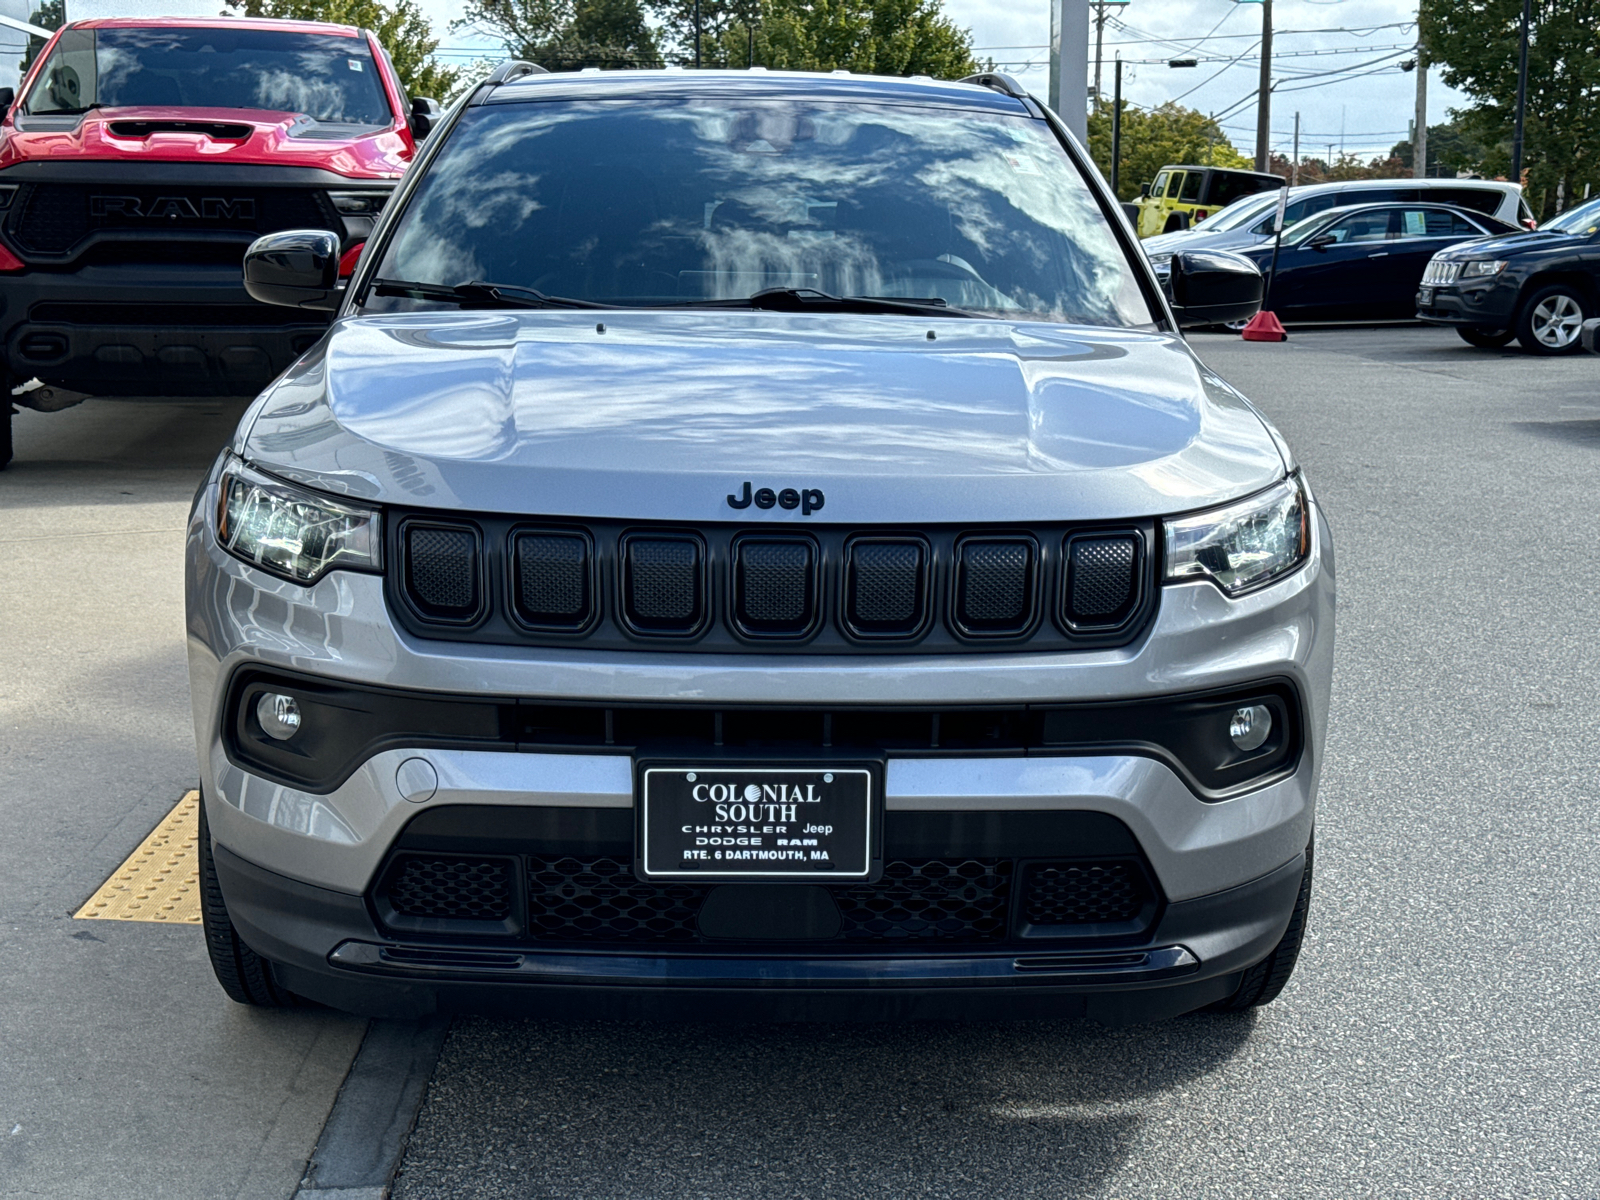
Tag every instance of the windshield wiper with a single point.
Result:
(478, 294)
(787, 299)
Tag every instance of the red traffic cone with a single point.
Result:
(1264, 327)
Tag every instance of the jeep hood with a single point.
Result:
(213, 135)
(662, 415)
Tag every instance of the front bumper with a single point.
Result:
(1491, 304)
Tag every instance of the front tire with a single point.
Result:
(1551, 321)
(243, 974)
(1486, 339)
(1262, 982)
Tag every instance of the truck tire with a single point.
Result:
(1487, 339)
(243, 974)
(1551, 320)
(1262, 982)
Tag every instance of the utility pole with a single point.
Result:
(1522, 93)
(696, 35)
(1264, 101)
(1069, 65)
(1294, 171)
(1100, 7)
(1419, 137)
(1116, 125)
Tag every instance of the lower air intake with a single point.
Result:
(599, 900)
(460, 889)
(1086, 893)
(930, 900)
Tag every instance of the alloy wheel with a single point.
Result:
(1557, 321)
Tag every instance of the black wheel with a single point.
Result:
(1262, 982)
(243, 974)
(1488, 339)
(1551, 320)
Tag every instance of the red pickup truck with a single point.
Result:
(141, 159)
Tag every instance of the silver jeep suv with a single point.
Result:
(756, 544)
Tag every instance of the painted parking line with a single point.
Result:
(160, 881)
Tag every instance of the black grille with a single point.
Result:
(1102, 579)
(663, 589)
(52, 218)
(886, 587)
(775, 586)
(460, 889)
(926, 900)
(1089, 893)
(599, 900)
(553, 572)
(442, 570)
(994, 585)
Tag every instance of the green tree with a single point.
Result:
(51, 14)
(725, 29)
(1452, 150)
(1475, 41)
(566, 35)
(1153, 138)
(400, 27)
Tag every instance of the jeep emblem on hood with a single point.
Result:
(807, 501)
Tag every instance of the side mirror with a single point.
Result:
(1213, 287)
(8, 97)
(1144, 191)
(425, 116)
(1322, 241)
(298, 268)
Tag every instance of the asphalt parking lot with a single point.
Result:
(1437, 1040)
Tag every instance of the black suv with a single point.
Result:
(1537, 287)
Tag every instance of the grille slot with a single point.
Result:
(928, 900)
(1102, 579)
(1108, 892)
(886, 587)
(775, 586)
(455, 889)
(553, 580)
(599, 900)
(442, 570)
(994, 586)
(663, 587)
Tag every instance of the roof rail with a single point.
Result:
(999, 82)
(514, 69)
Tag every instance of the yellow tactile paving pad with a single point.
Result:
(161, 879)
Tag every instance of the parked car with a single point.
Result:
(700, 571)
(1181, 194)
(1249, 222)
(1362, 262)
(143, 157)
(1536, 287)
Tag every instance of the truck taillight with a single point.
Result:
(1200, 214)
(10, 262)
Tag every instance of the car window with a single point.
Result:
(1240, 212)
(1158, 188)
(1228, 186)
(1175, 184)
(1360, 227)
(325, 76)
(1484, 200)
(657, 202)
(1432, 223)
(1192, 181)
(1351, 196)
(1299, 210)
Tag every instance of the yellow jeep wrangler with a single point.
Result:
(1182, 195)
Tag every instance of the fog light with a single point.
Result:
(280, 716)
(1248, 729)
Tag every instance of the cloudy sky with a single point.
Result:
(1366, 113)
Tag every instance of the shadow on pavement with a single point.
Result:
(545, 1108)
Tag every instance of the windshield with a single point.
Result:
(647, 203)
(1237, 213)
(325, 76)
(1584, 219)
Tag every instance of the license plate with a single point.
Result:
(758, 822)
(1425, 297)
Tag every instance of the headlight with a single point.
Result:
(1482, 266)
(1244, 545)
(290, 532)
(1162, 263)
(358, 203)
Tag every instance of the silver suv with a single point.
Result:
(756, 544)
